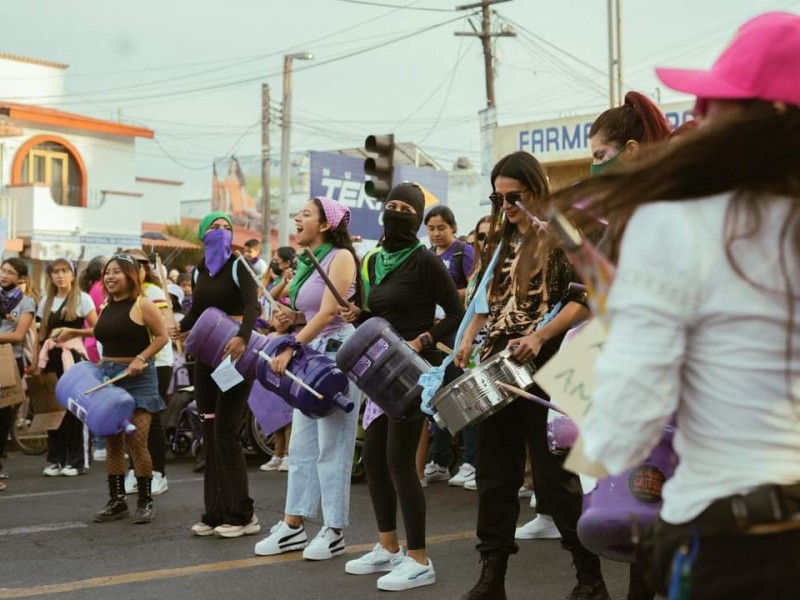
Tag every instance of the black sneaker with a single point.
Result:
(585, 591)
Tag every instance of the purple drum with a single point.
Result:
(561, 434)
(212, 332)
(384, 367)
(106, 411)
(634, 496)
(315, 370)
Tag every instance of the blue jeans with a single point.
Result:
(321, 456)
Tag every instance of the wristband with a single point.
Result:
(426, 341)
(141, 358)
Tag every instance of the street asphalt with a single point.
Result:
(49, 546)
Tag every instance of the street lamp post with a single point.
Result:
(283, 222)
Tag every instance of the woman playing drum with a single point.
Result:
(321, 449)
(531, 277)
(407, 284)
(228, 506)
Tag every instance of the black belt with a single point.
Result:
(764, 505)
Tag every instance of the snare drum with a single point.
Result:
(474, 396)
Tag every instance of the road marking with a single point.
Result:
(229, 565)
(12, 496)
(47, 527)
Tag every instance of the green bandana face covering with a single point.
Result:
(600, 167)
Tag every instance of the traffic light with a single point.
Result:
(381, 169)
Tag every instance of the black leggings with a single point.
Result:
(390, 450)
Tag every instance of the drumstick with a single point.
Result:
(163, 281)
(273, 303)
(540, 225)
(528, 396)
(122, 375)
(342, 302)
(443, 348)
(292, 376)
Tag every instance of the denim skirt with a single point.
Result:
(143, 387)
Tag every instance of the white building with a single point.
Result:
(68, 185)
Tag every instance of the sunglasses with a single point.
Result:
(511, 197)
(124, 257)
(481, 236)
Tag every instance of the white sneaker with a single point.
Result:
(131, 485)
(52, 470)
(234, 531)
(282, 538)
(533, 500)
(99, 455)
(423, 482)
(471, 485)
(69, 471)
(202, 530)
(541, 528)
(525, 492)
(434, 472)
(159, 485)
(325, 545)
(377, 560)
(465, 473)
(284, 464)
(273, 464)
(407, 575)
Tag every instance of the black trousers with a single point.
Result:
(65, 445)
(755, 567)
(226, 491)
(157, 440)
(390, 459)
(501, 471)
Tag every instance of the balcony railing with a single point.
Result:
(75, 195)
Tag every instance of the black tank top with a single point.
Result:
(118, 334)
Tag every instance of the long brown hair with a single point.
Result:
(533, 252)
(754, 155)
(69, 308)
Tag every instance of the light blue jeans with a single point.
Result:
(321, 456)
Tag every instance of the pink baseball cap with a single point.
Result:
(762, 62)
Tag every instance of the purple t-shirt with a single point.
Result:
(458, 259)
(309, 296)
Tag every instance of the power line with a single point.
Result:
(397, 6)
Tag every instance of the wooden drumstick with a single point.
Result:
(163, 281)
(342, 302)
(292, 376)
(273, 303)
(122, 375)
(440, 346)
(528, 396)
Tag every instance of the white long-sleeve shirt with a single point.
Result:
(689, 335)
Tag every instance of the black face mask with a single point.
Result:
(400, 230)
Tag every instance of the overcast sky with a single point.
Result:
(192, 70)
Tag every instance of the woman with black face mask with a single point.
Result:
(403, 284)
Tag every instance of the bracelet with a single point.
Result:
(141, 358)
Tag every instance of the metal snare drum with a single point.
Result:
(474, 396)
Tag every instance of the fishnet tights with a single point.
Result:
(137, 448)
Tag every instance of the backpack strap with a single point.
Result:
(458, 259)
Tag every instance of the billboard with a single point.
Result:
(342, 178)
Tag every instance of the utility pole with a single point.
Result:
(266, 217)
(615, 84)
(486, 35)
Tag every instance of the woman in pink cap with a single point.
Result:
(703, 324)
(321, 449)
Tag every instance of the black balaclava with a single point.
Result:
(400, 229)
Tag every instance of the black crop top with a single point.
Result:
(120, 336)
(222, 292)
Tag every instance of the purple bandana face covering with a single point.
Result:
(218, 249)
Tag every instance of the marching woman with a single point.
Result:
(64, 312)
(403, 283)
(228, 506)
(16, 317)
(131, 332)
(321, 450)
(709, 268)
(530, 278)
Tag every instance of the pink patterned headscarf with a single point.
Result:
(335, 212)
